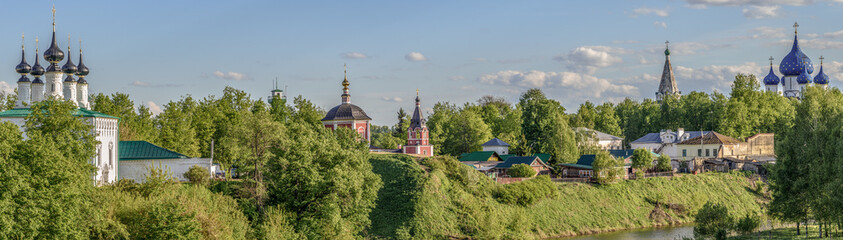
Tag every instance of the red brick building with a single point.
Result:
(418, 134)
(348, 115)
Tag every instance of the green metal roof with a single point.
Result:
(506, 156)
(543, 156)
(80, 112)
(576, 165)
(141, 150)
(516, 160)
(478, 156)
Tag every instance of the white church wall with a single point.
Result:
(138, 169)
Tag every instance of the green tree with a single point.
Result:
(307, 112)
(663, 163)
(467, 132)
(324, 180)
(641, 159)
(256, 137)
(198, 175)
(439, 125)
(713, 220)
(521, 171)
(747, 224)
(176, 133)
(606, 168)
(607, 121)
(545, 128)
(586, 116)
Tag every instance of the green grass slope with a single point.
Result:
(440, 198)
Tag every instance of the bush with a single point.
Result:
(713, 220)
(520, 171)
(165, 220)
(663, 163)
(526, 193)
(748, 224)
(198, 175)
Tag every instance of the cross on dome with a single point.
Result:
(795, 27)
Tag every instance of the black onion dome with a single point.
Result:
(37, 69)
(54, 53)
(23, 78)
(69, 78)
(69, 68)
(81, 80)
(23, 68)
(82, 70)
(346, 111)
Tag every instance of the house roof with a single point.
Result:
(600, 135)
(505, 156)
(711, 138)
(495, 142)
(543, 156)
(518, 160)
(656, 137)
(79, 112)
(141, 150)
(346, 111)
(478, 156)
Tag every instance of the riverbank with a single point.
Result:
(790, 233)
(438, 198)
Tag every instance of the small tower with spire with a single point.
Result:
(23, 69)
(821, 79)
(82, 83)
(346, 97)
(276, 93)
(69, 69)
(347, 115)
(771, 81)
(54, 75)
(667, 85)
(418, 134)
(37, 83)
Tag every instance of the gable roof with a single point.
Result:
(79, 112)
(519, 160)
(478, 156)
(543, 156)
(656, 137)
(599, 135)
(507, 156)
(141, 150)
(495, 142)
(711, 138)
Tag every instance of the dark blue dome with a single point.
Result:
(821, 77)
(69, 68)
(37, 69)
(23, 68)
(771, 78)
(804, 78)
(796, 61)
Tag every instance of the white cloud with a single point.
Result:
(715, 76)
(834, 69)
(647, 11)
(660, 24)
(758, 12)
(456, 78)
(813, 43)
(588, 59)
(707, 3)
(415, 57)
(236, 76)
(767, 33)
(154, 108)
(392, 99)
(573, 83)
(354, 55)
(838, 34)
(6, 88)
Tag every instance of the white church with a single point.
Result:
(796, 69)
(68, 82)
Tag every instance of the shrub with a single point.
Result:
(521, 170)
(747, 224)
(713, 220)
(526, 193)
(167, 220)
(663, 163)
(198, 175)
(277, 225)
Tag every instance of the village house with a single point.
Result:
(665, 142)
(541, 168)
(717, 152)
(583, 168)
(496, 145)
(138, 157)
(600, 139)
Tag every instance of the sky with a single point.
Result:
(452, 51)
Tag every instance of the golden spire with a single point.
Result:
(795, 27)
(22, 41)
(80, 47)
(771, 61)
(345, 79)
(68, 44)
(417, 92)
(54, 18)
(821, 60)
(36, 45)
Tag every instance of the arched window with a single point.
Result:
(111, 154)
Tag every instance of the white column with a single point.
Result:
(70, 92)
(54, 84)
(37, 90)
(82, 95)
(23, 94)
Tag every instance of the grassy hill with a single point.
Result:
(438, 198)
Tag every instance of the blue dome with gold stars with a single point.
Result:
(804, 78)
(771, 78)
(821, 77)
(796, 61)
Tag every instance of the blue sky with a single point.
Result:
(455, 51)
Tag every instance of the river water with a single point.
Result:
(662, 233)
